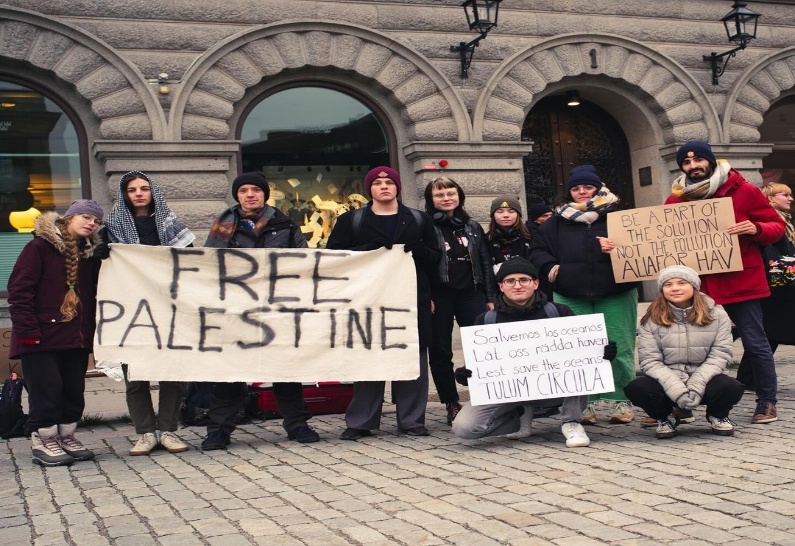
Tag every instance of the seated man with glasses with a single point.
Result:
(520, 300)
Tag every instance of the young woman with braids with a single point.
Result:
(52, 296)
(141, 216)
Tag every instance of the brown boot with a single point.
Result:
(452, 411)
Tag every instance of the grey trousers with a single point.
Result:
(142, 413)
(497, 419)
(411, 399)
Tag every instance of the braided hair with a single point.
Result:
(71, 300)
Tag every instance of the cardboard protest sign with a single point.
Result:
(537, 359)
(204, 314)
(694, 234)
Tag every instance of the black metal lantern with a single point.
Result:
(481, 16)
(740, 24)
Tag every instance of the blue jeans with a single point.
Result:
(747, 317)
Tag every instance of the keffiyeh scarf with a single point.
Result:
(121, 224)
(590, 211)
(691, 191)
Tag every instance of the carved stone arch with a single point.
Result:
(754, 91)
(123, 102)
(429, 106)
(660, 83)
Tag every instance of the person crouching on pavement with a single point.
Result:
(684, 347)
(52, 293)
(521, 300)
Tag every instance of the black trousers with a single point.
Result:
(720, 396)
(228, 399)
(56, 383)
(463, 306)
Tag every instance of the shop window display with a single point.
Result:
(39, 166)
(314, 146)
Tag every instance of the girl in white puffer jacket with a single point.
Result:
(684, 346)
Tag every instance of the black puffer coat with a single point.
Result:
(344, 237)
(585, 271)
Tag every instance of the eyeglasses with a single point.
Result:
(523, 281)
(91, 218)
(442, 195)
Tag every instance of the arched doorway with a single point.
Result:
(314, 145)
(777, 128)
(566, 136)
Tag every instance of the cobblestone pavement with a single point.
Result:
(627, 488)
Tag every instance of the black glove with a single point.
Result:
(462, 376)
(610, 351)
(101, 251)
(418, 249)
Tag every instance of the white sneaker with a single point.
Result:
(723, 427)
(173, 443)
(525, 425)
(146, 443)
(575, 434)
(666, 428)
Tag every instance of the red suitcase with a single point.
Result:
(321, 398)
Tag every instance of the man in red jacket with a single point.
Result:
(739, 292)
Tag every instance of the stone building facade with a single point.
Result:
(639, 64)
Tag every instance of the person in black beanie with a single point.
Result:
(572, 251)
(739, 292)
(520, 300)
(252, 223)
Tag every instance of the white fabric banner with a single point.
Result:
(537, 359)
(205, 314)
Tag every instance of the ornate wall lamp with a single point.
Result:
(740, 25)
(481, 16)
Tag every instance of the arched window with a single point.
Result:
(314, 145)
(40, 167)
(777, 128)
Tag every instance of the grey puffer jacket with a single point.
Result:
(684, 357)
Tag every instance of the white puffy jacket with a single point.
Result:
(683, 357)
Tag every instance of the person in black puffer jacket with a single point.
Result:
(572, 251)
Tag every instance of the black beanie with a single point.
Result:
(255, 179)
(516, 265)
(695, 148)
(583, 174)
(537, 209)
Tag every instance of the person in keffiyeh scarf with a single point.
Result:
(127, 219)
(572, 251)
(141, 216)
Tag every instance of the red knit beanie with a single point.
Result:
(381, 172)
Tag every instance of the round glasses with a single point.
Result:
(524, 281)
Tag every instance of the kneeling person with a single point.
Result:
(520, 300)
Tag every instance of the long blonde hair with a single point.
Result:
(71, 300)
(659, 312)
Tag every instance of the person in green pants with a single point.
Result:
(571, 250)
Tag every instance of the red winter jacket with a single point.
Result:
(749, 204)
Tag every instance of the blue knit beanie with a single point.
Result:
(695, 148)
(583, 174)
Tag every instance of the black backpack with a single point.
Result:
(12, 417)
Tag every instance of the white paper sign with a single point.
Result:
(537, 359)
(305, 315)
